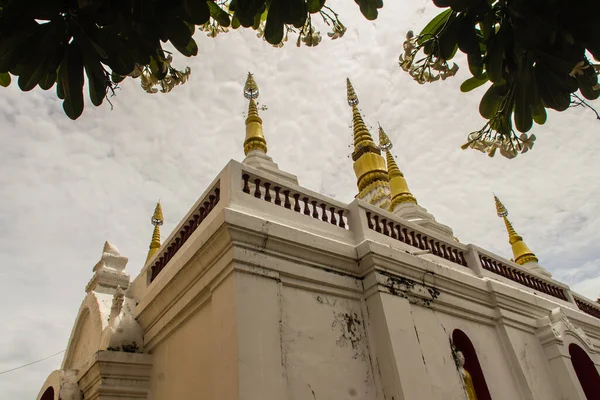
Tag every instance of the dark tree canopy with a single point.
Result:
(533, 54)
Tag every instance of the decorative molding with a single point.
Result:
(553, 328)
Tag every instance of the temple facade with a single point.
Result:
(266, 290)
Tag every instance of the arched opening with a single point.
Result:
(463, 344)
(48, 394)
(586, 371)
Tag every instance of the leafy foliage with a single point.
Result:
(54, 42)
(535, 53)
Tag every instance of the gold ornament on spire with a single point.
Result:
(521, 252)
(369, 165)
(398, 186)
(255, 140)
(157, 220)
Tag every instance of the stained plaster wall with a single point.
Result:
(325, 348)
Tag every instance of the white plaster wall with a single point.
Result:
(182, 363)
(324, 347)
(434, 340)
(534, 363)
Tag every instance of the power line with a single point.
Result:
(31, 363)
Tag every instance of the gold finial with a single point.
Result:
(369, 165)
(521, 252)
(157, 220)
(398, 186)
(255, 140)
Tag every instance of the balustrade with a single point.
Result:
(587, 307)
(169, 249)
(420, 240)
(298, 202)
(522, 277)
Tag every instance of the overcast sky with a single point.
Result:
(66, 187)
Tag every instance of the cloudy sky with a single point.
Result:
(66, 187)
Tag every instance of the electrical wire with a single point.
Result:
(31, 363)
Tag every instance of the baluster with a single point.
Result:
(306, 209)
(463, 261)
(434, 251)
(393, 231)
(296, 203)
(377, 227)
(201, 214)
(413, 239)
(315, 212)
(217, 195)
(246, 188)
(455, 257)
(257, 192)
(426, 243)
(177, 246)
(342, 224)
(385, 229)
(287, 204)
(323, 212)
(206, 208)
(419, 243)
(268, 192)
(332, 212)
(212, 201)
(400, 234)
(277, 198)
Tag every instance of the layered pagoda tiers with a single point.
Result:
(267, 290)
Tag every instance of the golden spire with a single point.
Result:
(369, 165)
(157, 221)
(520, 250)
(398, 185)
(255, 140)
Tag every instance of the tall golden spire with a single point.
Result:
(255, 140)
(398, 185)
(157, 221)
(369, 165)
(520, 250)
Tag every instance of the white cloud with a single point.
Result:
(66, 187)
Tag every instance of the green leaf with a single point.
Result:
(473, 83)
(538, 111)
(235, 23)
(97, 79)
(218, 14)
(314, 6)
(586, 83)
(475, 64)
(489, 103)
(72, 78)
(468, 37)
(369, 8)
(293, 12)
(246, 11)
(434, 26)
(448, 38)
(551, 91)
(522, 111)
(4, 79)
(494, 60)
(196, 11)
(274, 25)
(48, 80)
(176, 31)
(33, 71)
(120, 59)
(189, 50)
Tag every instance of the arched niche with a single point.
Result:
(463, 344)
(586, 371)
(48, 394)
(558, 337)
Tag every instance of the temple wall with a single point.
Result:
(534, 364)
(182, 363)
(325, 348)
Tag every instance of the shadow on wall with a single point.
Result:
(586, 372)
(463, 344)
